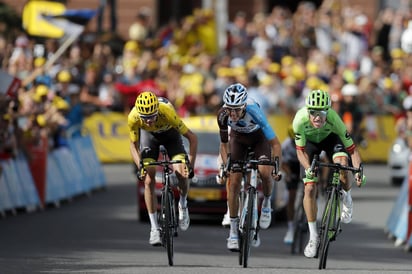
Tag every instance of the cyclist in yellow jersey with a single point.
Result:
(153, 122)
(318, 128)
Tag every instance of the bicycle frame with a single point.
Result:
(248, 223)
(330, 222)
(167, 217)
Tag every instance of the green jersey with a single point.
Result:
(304, 131)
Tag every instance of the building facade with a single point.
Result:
(164, 10)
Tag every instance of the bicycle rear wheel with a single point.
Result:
(168, 224)
(328, 227)
(248, 229)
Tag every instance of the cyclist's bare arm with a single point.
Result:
(192, 146)
(135, 152)
(356, 162)
(276, 148)
(303, 158)
(224, 151)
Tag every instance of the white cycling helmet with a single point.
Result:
(407, 103)
(235, 95)
(350, 90)
(406, 39)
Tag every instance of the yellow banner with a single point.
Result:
(111, 138)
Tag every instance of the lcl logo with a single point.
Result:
(113, 130)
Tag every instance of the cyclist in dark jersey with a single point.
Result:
(319, 128)
(291, 170)
(248, 128)
(153, 122)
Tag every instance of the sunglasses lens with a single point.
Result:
(321, 113)
(234, 109)
(148, 117)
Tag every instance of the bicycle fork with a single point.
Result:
(333, 206)
(250, 191)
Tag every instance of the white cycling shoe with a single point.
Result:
(311, 249)
(233, 242)
(184, 220)
(288, 239)
(226, 220)
(265, 217)
(155, 237)
(256, 242)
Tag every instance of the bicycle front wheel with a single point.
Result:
(248, 229)
(168, 224)
(329, 226)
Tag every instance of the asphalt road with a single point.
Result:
(101, 234)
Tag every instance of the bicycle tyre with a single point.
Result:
(169, 226)
(247, 229)
(242, 197)
(328, 230)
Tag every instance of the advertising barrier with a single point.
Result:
(37, 164)
(53, 176)
(25, 177)
(109, 133)
(5, 197)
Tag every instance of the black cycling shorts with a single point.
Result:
(170, 139)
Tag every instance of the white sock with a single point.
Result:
(313, 231)
(183, 201)
(348, 197)
(153, 221)
(234, 223)
(266, 201)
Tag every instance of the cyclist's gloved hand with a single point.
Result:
(221, 177)
(360, 181)
(141, 173)
(276, 176)
(310, 174)
(191, 172)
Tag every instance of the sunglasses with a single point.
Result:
(237, 110)
(320, 113)
(150, 117)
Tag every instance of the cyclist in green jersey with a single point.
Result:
(319, 128)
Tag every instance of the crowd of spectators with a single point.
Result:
(279, 56)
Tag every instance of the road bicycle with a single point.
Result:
(330, 222)
(300, 223)
(168, 220)
(248, 222)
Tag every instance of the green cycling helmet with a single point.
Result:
(318, 99)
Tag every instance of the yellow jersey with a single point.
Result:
(167, 118)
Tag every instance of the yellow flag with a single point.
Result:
(36, 25)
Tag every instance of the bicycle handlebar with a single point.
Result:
(316, 162)
(253, 163)
(165, 163)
